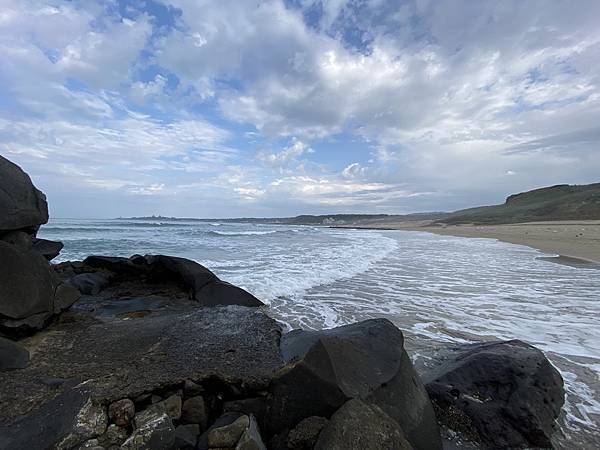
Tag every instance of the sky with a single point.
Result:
(196, 108)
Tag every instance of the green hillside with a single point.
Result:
(561, 202)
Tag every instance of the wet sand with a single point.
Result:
(573, 240)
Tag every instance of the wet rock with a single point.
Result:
(186, 436)
(22, 206)
(12, 355)
(228, 435)
(194, 411)
(506, 393)
(121, 412)
(89, 283)
(306, 433)
(251, 439)
(157, 433)
(222, 293)
(364, 360)
(48, 249)
(362, 426)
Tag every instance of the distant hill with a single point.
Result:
(560, 202)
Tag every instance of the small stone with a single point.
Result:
(306, 433)
(121, 412)
(194, 411)
(228, 435)
(186, 436)
(114, 435)
(251, 439)
(172, 406)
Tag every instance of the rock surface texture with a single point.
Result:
(506, 394)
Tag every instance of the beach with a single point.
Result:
(571, 239)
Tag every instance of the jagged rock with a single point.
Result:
(224, 420)
(194, 411)
(121, 412)
(12, 355)
(172, 405)
(506, 393)
(48, 249)
(364, 360)
(358, 425)
(22, 206)
(156, 433)
(113, 436)
(186, 436)
(228, 435)
(306, 433)
(251, 439)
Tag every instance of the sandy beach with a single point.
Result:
(571, 239)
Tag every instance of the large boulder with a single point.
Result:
(22, 206)
(505, 394)
(361, 426)
(48, 249)
(365, 360)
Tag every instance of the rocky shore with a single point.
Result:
(156, 352)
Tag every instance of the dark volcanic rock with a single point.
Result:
(505, 393)
(186, 436)
(20, 239)
(358, 425)
(48, 249)
(306, 433)
(157, 433)
(22, 206)
(219, 292)
(89, 283)
(12, 355)
(126, 358)
(365, 360)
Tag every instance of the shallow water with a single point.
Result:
(435, 288)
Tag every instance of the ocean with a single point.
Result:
(436, 289)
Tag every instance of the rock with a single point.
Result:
(26, 283)
(251, 439)
(113, 436)
(172, 406)
(306, 433)
(12, 355)
(256, 406)
(64, 296)
(228, 435)
(121, 412)
(192, 389)
(222, 293)
(186, 436)
(361, 426)
(506, 392)
(48, 249)
(157, 433)
(194, 411)
(23, 241)
(22, 206)
(92, 444)
(224, 420)
(364, 360)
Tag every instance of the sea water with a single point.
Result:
(436, 289)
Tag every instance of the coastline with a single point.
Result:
(571, 240)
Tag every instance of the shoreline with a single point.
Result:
(576, 243)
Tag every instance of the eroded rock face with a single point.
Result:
(22, 206)
(365, 360)
(362, 426)
(505, 393)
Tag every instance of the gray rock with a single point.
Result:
(194, 411)
(64, 296)
(358, 425)
(225, 419)
(186, 436)
(26, 283)
(219, 292)
(505, 393)
(192, 389)
(157, 433)
(113, 436)
(251, 439)
(364, 360)
(256, 406)
(12, 355)
(21, 204)
(228, 435)
(48, 249)
(121, 412)
(23, 241)
(306, 433)
(172, 405)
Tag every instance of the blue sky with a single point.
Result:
(250, 108)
